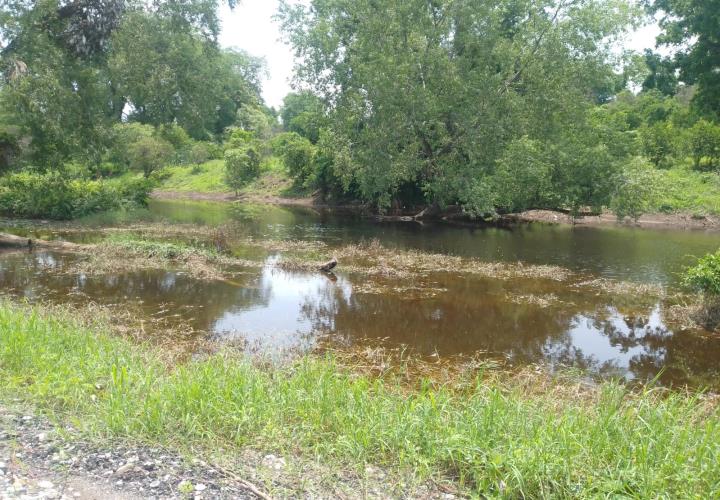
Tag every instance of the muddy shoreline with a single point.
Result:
(678, 220)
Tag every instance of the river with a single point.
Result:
(437, 314)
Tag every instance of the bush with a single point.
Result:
(199, 153)
(54, 196)
(705, 275)
(107, 169)
(242, 166)
(704, 145)
(238, 138)
(658, 143)
(638, 190)
(9, 146)
(298, 155)
(175, 135)
(123, 136)
(149, 154)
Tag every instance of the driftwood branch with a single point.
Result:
(329, 265)
(12, 241)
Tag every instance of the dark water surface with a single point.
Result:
(444, 313)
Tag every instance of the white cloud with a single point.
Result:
(250, 27)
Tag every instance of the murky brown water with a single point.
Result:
(523, 320)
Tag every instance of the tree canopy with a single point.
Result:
(428, 96)
(692, 27)
(72, 68)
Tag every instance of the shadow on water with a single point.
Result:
(440, 313)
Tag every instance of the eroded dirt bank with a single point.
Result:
(648, 221)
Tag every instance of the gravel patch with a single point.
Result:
(36, 463)
(40, 460)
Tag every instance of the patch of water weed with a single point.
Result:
(543, 300)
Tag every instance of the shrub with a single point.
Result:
(705, 275)
(297, 153)
(200, 152)
(149, 154)
(253, 119)
(9, 146)
(638, 190)
(658, 143)
(241, 166)
(123, 135)
(704, 145)
(107, 169)
(54, 196)
(175, 135)
(238, 138)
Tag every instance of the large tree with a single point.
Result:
(427, 95)
(71, 68)
(692, 27)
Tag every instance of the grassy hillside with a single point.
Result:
(209, 178)
(689, 191)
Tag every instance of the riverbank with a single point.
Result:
(489, 433)
(648, 221)
(680, 220)
(690, 200)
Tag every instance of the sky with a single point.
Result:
(250, 27)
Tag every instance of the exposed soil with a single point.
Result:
(656, 221)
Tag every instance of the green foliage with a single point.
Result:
(241, 166)
(501, 438)
(122, 137)
(658, 143)
(692, 26)
(254, 119)
(523, 178)
(9, 146)
(174, 135)
(303, 113)
(238, 138)
(200, 152)
(426, 100)
(661, 74)
(148, 154)
(704, 145)
(705, 275)
(298, 155)
(207, 177)
(639, 188)
(54, 196)
(69, 71)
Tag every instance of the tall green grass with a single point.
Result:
(208, 177)
(498, 438)
(690, 191)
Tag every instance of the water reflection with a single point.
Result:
(277, 310)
